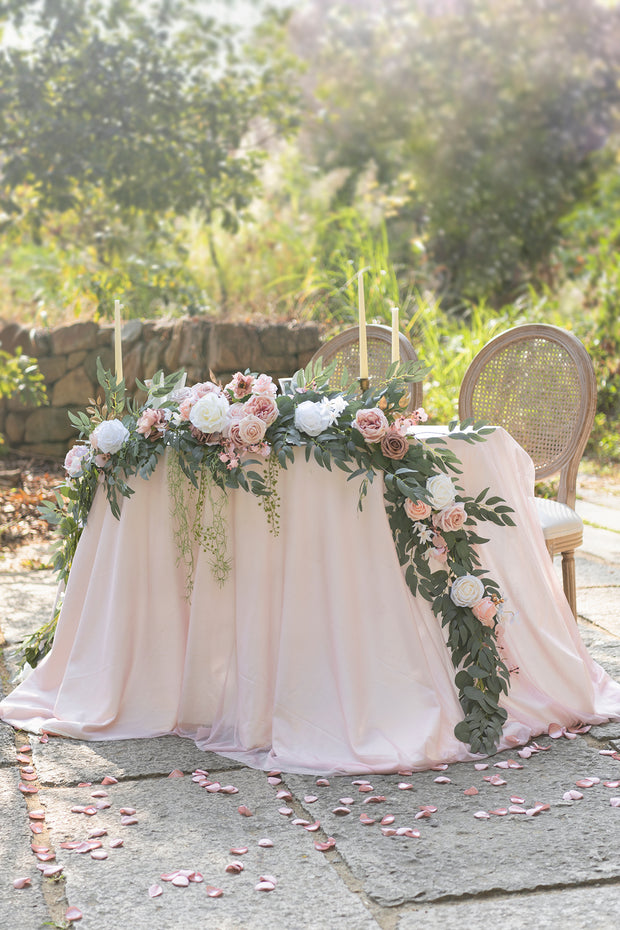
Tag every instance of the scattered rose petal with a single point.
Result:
(310, 798)
(481, 766)
(45, 856)
(25, 748)
(516, 809)
(116, 843)
(615, 802)
(98, 854)
(266, 843)
(374, 799)
(180, 881)
(300, 822)
(429, 807)
(244, 811)
(264, 886)
(312, 827)
(109, 780)
(176, 773)
(234, 868)
(99, 794)
(422, 815)
(347, 801)
(499, 811)
(21, 883)
(274, 773)
(44, 738)
(50, 871)
(470, 792)
(585, 783)
(274, 780)
(405, 785)
(572, 795)
(283, 794)
(525, 753)
(213, 892)
(28, 769)
(388, 831)
(155, 891)
(36, 828)
(229, 789)
(365, 788)
(611, 784)
(128, 821)
(37, 815)
(341, 811)
(285, 811)
(25, 759)
(407, 831)
(494, 779)
(322, 782)
(606, 752)
(28, 789)
(95, 834)
(90, 811)
(329, 843)
(481, 815)
(442, 780)
(196, 877)
(213, 787)
(72, 914)
(440, 767)
(84, 784)
(515, 799)
(128, 811)
(77, 809)
(504, 764)
(366, 820)
(238, 850)
(541, 748)
(102, 804)
(555, 731)
(388, 819)
(406, 773)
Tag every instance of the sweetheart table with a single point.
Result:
(313, 656)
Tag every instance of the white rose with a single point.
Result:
(109, 436)
(441, 491)
(209, 413)
(312, 418)
(467, 591)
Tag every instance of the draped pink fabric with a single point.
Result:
(313, 656)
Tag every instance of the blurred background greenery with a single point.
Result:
(243, 160)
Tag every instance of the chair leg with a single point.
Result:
(568, 580)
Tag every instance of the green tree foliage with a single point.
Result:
(160, 112)
(482, 119)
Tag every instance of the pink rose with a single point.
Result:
(241, 385)
(394, 445)
(204, 387)
(485, 611)
(185, 407)
(265, 385)
(263, 407)
(450, 518)
(73, 460)
(251, 430)
(372, 423)
(417, 510)
(151, 423)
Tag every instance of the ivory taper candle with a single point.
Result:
(362, 326)
(118, 348)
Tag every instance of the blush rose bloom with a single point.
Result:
(73, 460)
(440, 491)
(251, 430)
(312, 418)
(372, 424)
(417, 510)
(109, 436)
(209, 413)
(451, 518)
(466, 591)
(151, 421)
(485, 610)
(394, 445)
(265, 385)
(264, 407)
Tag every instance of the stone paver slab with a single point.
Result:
(582, 908)
(24, 909)
(573, 842)
(600, 606)
(66, 761)
(182, 826)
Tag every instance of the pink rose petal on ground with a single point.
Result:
(102, 805)
(585, 783)
(25, 748)
(406, 773)
(515, 799)
(28, 776)
(37, 815)
(213, 892)
(374, 799)
(244, 811)
(176, 773)
(388, 819)
(27, 789)
(516, 809)
(504, 764)
(347, 801)
(44, 738)
(313, 827)
(366, 820)
(109, 780)
(274, 780)
(116, 843)
(168, 876)
(429, 807)
(96, 834)
(70, 844)
(572, 795)
(555, 731)
(229, 789)
(615, 802)
(155, 891)
(569, 735)
(300, 822)
(213, 787)
(180, 881)
(196, 877)
(525, 753)
(266, 843)
(129, 811)
(442, 780)
(99, 794)
(329, 843)
(499, 811)
(28, 769)
(285, 811)
(481, 815)
(264, 886)
(310, 798)
(45, 856)
(388, 831)
(73, 913)
(470, 792)
(283, 794)
(84, 784)
(50, 871)
(440, 767)
(234, 868)
(611, 784)
(21, 883)
(128, 821)
(365, 789)
(238, 850)
(90, 811)
(36, 828)
(341, 811)
(322, 782)
(405, 785)
(481, 766)
(540, 748)
(422, 815)
(98, 854)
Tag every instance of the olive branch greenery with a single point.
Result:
(199, 479)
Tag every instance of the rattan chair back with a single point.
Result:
(344, 350)
(537, 381)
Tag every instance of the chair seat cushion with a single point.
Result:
(557, 519)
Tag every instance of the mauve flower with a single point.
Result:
(241, 385)
(394, 445)
(450, 518)
(372, 424)
(485, 610)
(151, 423)
(109, 436)
(417, 510)
(73, 460)
(264, 407)
(265, 385)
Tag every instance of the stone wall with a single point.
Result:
(67, 357)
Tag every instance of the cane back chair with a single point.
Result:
(537, 381)
(344, 350)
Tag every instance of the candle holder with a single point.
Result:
(364, 384)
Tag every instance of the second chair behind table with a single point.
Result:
(537, 381)
(344, 350)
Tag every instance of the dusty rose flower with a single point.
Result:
(265, 385)
(485, 610)
(251, 430)
(451, 518)
(394, 445)
(186, 405)
(102, 459)
(417, 510)
(208, 439)
(264, 407)
(204, 387)
(372, 424)
(151, 423)
(440, 553)
(241, 385)
(73, 460)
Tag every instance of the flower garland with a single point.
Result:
(239, 435)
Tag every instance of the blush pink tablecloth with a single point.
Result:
(313, 656)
